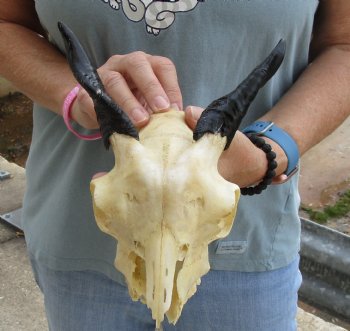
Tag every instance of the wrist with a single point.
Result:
(281, 140)
(281, 157)
(62, 94)
(67, 115)
(243, 163)
(270, 173)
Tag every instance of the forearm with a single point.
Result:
(318, 102)
(34, 66)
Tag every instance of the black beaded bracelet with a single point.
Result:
(271, 166)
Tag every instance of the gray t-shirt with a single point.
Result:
(214, 45)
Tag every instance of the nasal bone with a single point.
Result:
(161, 257)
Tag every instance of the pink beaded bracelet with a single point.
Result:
(66, 110)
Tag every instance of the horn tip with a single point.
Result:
(62, 28)
(281, 46)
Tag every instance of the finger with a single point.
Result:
(165, 71)
(192, 114)
(83, 111)
(119, 90)
(137, 68)
(175, 106)
(143, 102)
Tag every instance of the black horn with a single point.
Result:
(225, 114)
(109, 116)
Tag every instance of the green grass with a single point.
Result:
(339, 209)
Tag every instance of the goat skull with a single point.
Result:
(164, 201)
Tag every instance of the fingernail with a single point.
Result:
(138, 115)
(195, 112)
(161, 103)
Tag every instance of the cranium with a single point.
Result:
(164, 201)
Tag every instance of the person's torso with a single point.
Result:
(214, 45)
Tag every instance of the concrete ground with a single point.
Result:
(21, 303)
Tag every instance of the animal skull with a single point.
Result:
(164, 201)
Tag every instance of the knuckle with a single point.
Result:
(151, 87)
(112, 61)
(114, 58)
(164, 64)
(136, 58)
(112, 79)
(127, 103)
(173, 91)
(138, 54)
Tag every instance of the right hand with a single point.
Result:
(139, 83)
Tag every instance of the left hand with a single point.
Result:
(243, 163)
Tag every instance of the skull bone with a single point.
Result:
(164, 202)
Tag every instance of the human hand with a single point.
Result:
(243, 163)
(139, 83)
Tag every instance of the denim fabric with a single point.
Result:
(226, 300)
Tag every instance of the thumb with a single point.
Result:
(99, 174)
(83, 111)
(192, 114)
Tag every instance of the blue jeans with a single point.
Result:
(225, 301)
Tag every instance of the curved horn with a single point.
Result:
(225, 114)
(109, 116)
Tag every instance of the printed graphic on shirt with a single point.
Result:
(158, 15)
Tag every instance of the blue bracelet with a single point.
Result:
(282, 138)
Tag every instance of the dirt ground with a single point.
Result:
(325, 175)
(15, 127)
